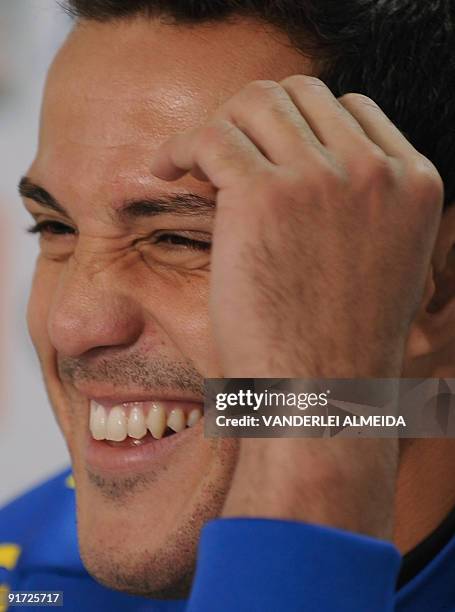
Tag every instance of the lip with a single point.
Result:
(109, 400)
(103, 458)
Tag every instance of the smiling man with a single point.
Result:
(171, 126)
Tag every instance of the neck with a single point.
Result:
(425, 489)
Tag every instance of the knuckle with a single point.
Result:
(302, 80)
(289, 188)
(274, 110)
(261, 89)
(266, 99)
(373, 168)
(214, 133)
(354, 100)
(426, 181)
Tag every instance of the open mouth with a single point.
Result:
(137, 423)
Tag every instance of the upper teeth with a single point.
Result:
(118, 423)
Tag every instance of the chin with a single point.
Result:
(139, 532)
(134, 567)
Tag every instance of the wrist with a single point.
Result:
(320, 482)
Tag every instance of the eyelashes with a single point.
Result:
(177, 240)
(169, 240)
(51, 227)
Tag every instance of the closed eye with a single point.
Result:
(56, 228)
(177, 240)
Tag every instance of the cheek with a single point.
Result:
(43, 289)
(39, 306)
(184, 315)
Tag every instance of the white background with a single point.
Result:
(31, 446)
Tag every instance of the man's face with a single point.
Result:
(119, 306)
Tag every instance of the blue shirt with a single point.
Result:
(243, 565)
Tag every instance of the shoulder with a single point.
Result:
(48, 496)
(41, 522)
(39, 552)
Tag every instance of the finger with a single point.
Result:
(264, 112)
(378, 126)
(218, 151)
(333, 125)
(168, 163)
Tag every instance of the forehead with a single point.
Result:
(117, 90)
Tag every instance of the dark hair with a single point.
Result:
(400, 53)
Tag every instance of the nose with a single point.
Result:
(89, 311)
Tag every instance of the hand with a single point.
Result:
(326, 220)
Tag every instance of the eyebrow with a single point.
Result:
(28, 189)
(188, 204)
